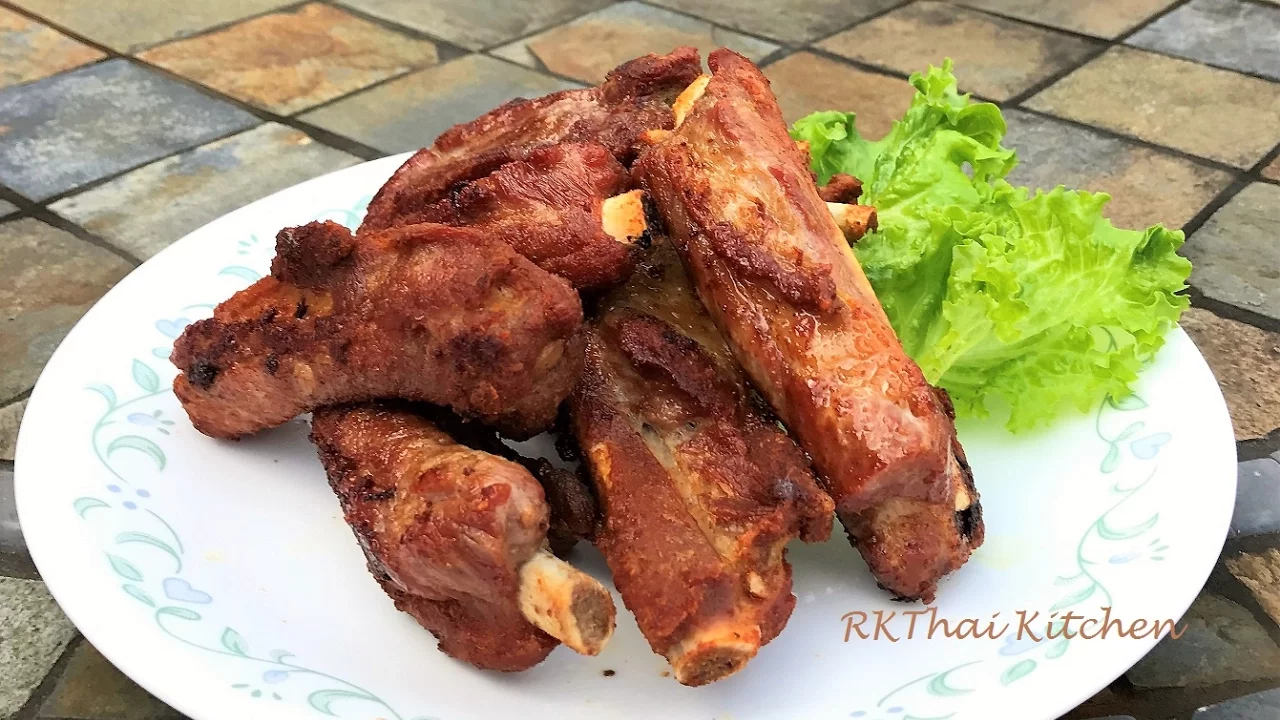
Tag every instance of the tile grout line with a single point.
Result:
(99, 182)
(1052, 78)
(455, 50)
(1258, 448)
(31, 708)
(14, 400)
(51, 218)
(1134, 139)
(870, 18)
(1242, 181)
(1227, 311)
(714, 25)
(563, 78)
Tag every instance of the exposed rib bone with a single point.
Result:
(853, 220)
(623, 216)
(689, 96)
(566, 603)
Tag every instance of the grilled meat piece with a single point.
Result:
(775, 272)
(557, 207)
(426, 312)
(456, 537)
(699, 490)
(634, 98)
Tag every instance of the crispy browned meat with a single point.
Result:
(455, 536)
(427, 312)
(549, 207)
(699, 490)
(634, 98)
(841, 188)
(445, 529)
(773, 268)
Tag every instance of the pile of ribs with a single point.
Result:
(648, 269)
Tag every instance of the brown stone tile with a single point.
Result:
(1103, 18)
(143, 211)
(1272, 171)
(91, 688)
(994, 57)
(290, 61)
(10, 421)
(1236, 253)
(410, 112)
(799, 22)
(1146, 186)
(591, 46)
(1212, 113)
(806, 83)
(48, 279)
(1244, 360)
(1260, 572)
(475, 25)
(30, 50)
(129, 25)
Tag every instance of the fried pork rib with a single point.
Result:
(776, 273)
(634, 98)
(565, 207)
(426, 312)
(699, 490)
(457, 538)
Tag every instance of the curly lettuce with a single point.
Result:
(1004, 297)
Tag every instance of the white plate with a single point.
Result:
(221, 577)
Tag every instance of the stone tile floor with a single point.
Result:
(126, 124)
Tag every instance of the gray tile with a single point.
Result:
(1146, 186)
(475, 25)
(11, 541)
(1221, 642)
(91, 688)
(594, 44)
(48, 279)
(1235, 254)
(33, 633)
(89, 123)
(1257, 498)
(1239, 35)
(146, 210)
(1243, 359)
(128, 25)
(801, 22)
(15, 561)
(10, 420)
(410, 112)
(1258, 706)
(7, 208)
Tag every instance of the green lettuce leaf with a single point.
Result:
(1003, 297)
